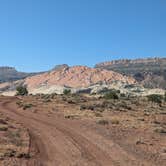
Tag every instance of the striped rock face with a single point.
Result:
(76, 77)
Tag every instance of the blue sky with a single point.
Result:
(36, 35)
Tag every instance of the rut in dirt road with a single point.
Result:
(63, 143)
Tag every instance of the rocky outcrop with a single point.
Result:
(152, 61)
(78, 78)
(75, 77)
(150, 72)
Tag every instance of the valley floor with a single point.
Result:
(82, 131)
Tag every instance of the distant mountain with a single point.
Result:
(149, 72)
(8, 74)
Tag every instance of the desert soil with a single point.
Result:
(62, 134)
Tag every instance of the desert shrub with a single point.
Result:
(103, 122)
(21, 90)
(123, 105)
(53, 95)
(155, 98)
(87, 107)
(70, 116)
(15, 137)
(71, 102)
(47, 100)
(23, 155)
(117, 91)
(67, 91)
(122, 95)
(160, 130)
(115, 121)
(3, 127)
(45, 96)
(111, 95)
(83, 107)
(19, 103)
(97, 114)
(26, 106)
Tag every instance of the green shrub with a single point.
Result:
(3, 127)
(103, 122)
(111, 95)
(26, 106)
(122, 95)
(155, 98)
(97, 114)
(67, 91)
(160, 130)
(21, 90)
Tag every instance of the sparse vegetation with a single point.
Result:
(97, 114)
(87, 107)
(67, 91)
(154, 98)
(3, 127)
(160, 130)
(21, 91)
(19, 103)
(70, 116)
(14, 137)
(135, 118)
(111, 95)
(24, 105)
(103, 122)
(122, 95)
(13, 141)
(47, 100)
(115, 121)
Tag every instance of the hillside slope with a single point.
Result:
(61, 77)
(150, 72)
(75, 77)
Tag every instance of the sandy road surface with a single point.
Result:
(60, 142)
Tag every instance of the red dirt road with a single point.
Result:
(57, 141)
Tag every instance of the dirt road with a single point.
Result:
(57, 141)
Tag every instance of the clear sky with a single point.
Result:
(36, 35)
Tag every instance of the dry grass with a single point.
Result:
(14, 140)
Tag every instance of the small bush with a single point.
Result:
(155, 98)
(3, 127)
(19, 103)
(111, 95)
(26, 106)
(103, 122)
(97, 114)
(71, 116)
(115, 121)
(87, 107)
(160, 130)
(47, 100)
(123, 105)
(21, 90)
(71, 102)
(122, 95)
(67, 91)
